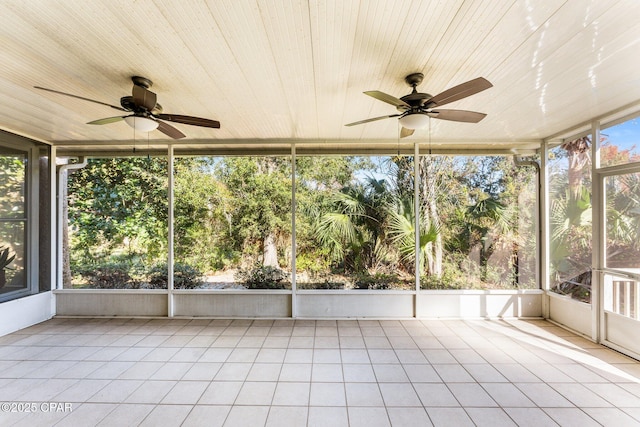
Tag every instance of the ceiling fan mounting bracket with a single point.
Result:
(142, 81)
(414, 79)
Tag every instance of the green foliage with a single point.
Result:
(578, 287)
(329, 172)
(128, 275)
(376, 281)
(401, 225)
(118, 205)
(325, 284)
(313, 261)
(354, 216)
(459, 273)
(262, 277)
(184, 276)
(203, 205)
(351, 227)
(108, 276)
(5, 259)
(12, 178)
(260, 200)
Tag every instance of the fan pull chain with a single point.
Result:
(398, 137)
(429, 136)
(134, 136)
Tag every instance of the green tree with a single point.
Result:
(202, 220)
(401, 224)
(623, 221)
(570, 217)
(260, 205)
(318, 179)
(13, 167)
(118, 206)
(352, 228)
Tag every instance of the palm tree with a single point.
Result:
(401, 223)
(623, 220)
(434, 178)
(570, 220)
(489, 223)
(352, 227)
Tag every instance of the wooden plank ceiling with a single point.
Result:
(274, 71)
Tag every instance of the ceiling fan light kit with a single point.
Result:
(141, 124)
(146, 114)
(416, 108)
(414, 120)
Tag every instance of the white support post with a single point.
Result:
(416, 209)
(53, 251)
(32, 225)
(294, 306)
(170, 308)
(598, 235)
(544, 227)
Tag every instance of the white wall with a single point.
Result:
(572, 314)
(309, 304)
(23, 312)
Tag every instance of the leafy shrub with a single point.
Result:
(377, 281)
(320, 285)
(579, 287)
(108, 276)
(314, 261)
(184, 276)
(262, 277)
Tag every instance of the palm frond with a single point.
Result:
(336, 227)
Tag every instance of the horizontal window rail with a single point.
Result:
(632, 275)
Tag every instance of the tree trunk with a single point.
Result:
(430, 207)
(270, 251)
(437, 245)
(579, 158)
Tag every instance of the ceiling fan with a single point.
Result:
(146, 114)
(416, 108)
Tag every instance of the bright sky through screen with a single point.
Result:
(625, 136)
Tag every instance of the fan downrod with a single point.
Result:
(142, 81)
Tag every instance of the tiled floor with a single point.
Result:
(117, 372)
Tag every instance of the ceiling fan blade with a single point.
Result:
(458, 92)
(169, 130)
(106, 121)
(372, 120)
(404, 132)
(190, 120)
(458, 115)
(144, 98)
(381, 96)
(80, 97)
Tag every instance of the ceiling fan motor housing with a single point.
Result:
(127, 103)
